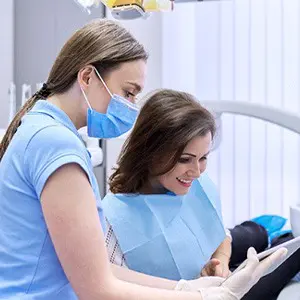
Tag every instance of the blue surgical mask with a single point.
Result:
(118, 119)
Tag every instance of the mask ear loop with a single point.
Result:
(85, 97)
(103, 82)
(111, 95)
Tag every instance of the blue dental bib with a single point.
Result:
(166, 235)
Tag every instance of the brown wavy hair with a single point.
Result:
(102, 43)
(167, 122)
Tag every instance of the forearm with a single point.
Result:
(121, 290)
(142, 279)
(223, 252)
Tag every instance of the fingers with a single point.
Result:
(252, 259)
(204, 272)
(222, 270)
(258, 269)
(241, 282)
(214, 262)
(210, 267)
(219, 271)
(271, 260)
(226, 272)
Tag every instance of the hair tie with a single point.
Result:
(45, 86)
(44, 92)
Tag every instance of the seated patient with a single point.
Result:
(164, 213)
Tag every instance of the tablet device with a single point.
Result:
(292, 246)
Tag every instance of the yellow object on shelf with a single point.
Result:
(146, 5)
(117, 3)
(157, 5)
(151, 5)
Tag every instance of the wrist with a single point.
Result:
(183, 285)
(217, 293)
(222, 256)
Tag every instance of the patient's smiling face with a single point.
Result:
(190, 166)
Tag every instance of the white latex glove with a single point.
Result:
(200, 283)
(236, 286)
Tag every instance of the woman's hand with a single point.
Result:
(235, 287)
(216, 267)
(219, 263)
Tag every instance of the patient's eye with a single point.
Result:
(184, 160)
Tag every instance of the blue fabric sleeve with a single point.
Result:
(49, 149)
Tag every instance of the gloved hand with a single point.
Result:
(236, 286)
(200, 283)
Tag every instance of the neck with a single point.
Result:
(71, 103)
(153, 187)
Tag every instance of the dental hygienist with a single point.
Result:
(51, 222)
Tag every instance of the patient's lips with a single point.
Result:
(185, 182)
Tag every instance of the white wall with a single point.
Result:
(243, 50)
(6, 57)
(27, 51)
(149, 34)
(38, 39)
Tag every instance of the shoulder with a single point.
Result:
(125, 203)
(110, 204)
(108, 198)
(53, 142)
(56, 137)
(207, 185)
(48, 149)
(205, 180)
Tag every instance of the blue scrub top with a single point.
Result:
(29, 266)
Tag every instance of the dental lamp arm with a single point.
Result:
(272, 115)
(282, 118)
